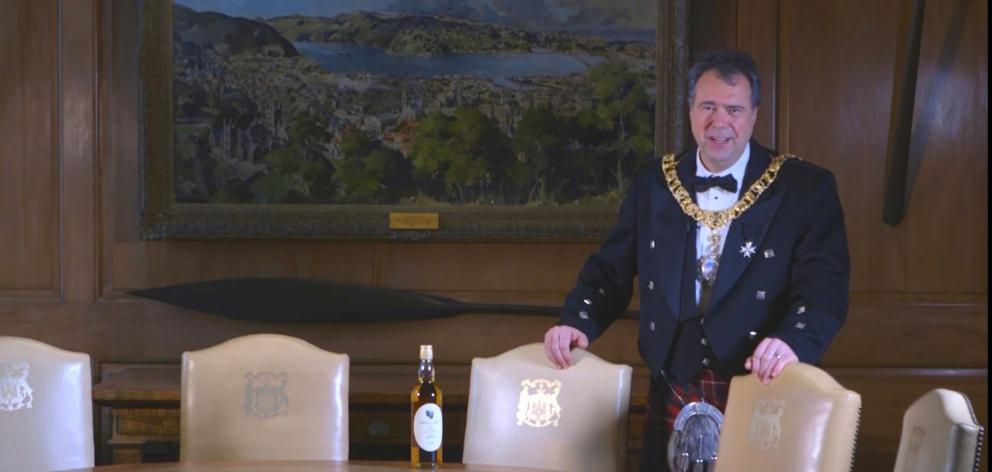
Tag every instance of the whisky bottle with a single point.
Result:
(426, 424)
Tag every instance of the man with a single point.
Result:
(740, 254)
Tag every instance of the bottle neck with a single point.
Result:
(426, 371)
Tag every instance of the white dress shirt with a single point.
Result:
(716, 199)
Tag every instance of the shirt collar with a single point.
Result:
(736, 170)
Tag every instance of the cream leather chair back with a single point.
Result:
(264, 396)
(804, 421)
(46, 407)
(940, 434)
(524, 412)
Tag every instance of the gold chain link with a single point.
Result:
(717, 219)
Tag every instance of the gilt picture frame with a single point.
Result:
(220, 160)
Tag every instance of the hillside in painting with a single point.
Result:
(398, 108)
(420, 34)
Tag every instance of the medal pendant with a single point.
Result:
(707, 268)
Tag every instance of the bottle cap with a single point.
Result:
(426, 352)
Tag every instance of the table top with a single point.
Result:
(287, 466)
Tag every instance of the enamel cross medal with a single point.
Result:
(747, 250)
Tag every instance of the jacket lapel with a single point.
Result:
(672, 237)
(746, 233)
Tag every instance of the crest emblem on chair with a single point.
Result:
(916, 439)
(538, 406)
(766, 426)
(265, 394)
(15, 393)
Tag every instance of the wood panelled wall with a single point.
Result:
(69, 200)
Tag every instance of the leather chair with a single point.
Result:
(264, 396)
(46, 407)
(940, 434)
(525, 412)
(804, 421)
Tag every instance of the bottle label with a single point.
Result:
(428, 427)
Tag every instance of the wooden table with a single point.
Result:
(287, 466)
(143, 406)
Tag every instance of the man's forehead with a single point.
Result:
(736, 90)
(733, 79)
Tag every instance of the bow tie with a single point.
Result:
(702, 184)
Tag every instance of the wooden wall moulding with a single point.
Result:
(29, 128)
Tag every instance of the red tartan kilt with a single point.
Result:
(706, 386)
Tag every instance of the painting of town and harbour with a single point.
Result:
(411, 103)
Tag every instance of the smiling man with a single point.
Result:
(722, 115)
(741, 260)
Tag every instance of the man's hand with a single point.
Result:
(768, 360)
(558, 344)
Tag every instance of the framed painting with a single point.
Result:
(385, 119)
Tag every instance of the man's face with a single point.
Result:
(722, 119)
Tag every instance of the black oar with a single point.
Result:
(317, 301)
(901, 121)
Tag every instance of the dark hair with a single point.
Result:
(726, 64)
